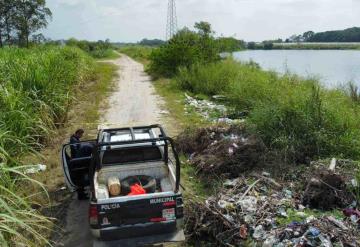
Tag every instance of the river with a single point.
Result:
(332, 67)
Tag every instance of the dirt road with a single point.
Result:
(133, 102)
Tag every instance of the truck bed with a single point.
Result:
(164, 176)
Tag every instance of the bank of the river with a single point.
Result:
(317, 46)
(298, 121)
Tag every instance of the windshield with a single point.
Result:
(131, 155)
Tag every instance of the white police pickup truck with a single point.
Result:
(145, 152)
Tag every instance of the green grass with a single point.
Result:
(37, 88)
(294, 115)
(195, 187)
(137, 52)
(175, 103)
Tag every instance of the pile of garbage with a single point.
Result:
(216, 113)
(221, 150)
(310, 205)
(259, 210)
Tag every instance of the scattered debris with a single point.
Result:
(252, 209)
(307, 205)
(35, 169)
(216, 113)
(218, 151)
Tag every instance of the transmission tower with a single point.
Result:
(171, 26)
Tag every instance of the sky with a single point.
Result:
(250, 20)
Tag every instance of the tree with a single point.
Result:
(204, 28)
(251, 45)
(230, 44)
(7, 21)
(308, 35)
(268, 45)
(207, 44)
(31, 16)
(185, 49)
(21, 19)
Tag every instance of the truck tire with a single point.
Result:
(148, 183)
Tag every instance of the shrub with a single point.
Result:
(183, 50)
(214, 78)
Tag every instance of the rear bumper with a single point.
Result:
(177, 236)
(135, 231)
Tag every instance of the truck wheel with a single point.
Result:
(148, 183)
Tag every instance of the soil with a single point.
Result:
(326, 190)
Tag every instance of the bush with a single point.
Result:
(214, 78)
(293, 115)
(183, 50)
(230, 44)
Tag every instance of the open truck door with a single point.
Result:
(76, 170)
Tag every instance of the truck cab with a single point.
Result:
(123, 153)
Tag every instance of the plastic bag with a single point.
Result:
(136, 189)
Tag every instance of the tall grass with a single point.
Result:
(294, 115)
(20, 223)
(35, 92)
(36, 88)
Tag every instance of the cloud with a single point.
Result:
(132, 20)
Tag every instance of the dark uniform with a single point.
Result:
(74, 148)
(76, 152)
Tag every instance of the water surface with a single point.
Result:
(332, 67)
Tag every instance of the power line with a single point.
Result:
(171, 26)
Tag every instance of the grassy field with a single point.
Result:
(38, 89)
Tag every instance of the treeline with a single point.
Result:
(346, 35)
(152, 42)
(21, 19)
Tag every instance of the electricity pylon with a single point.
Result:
(171, 26)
